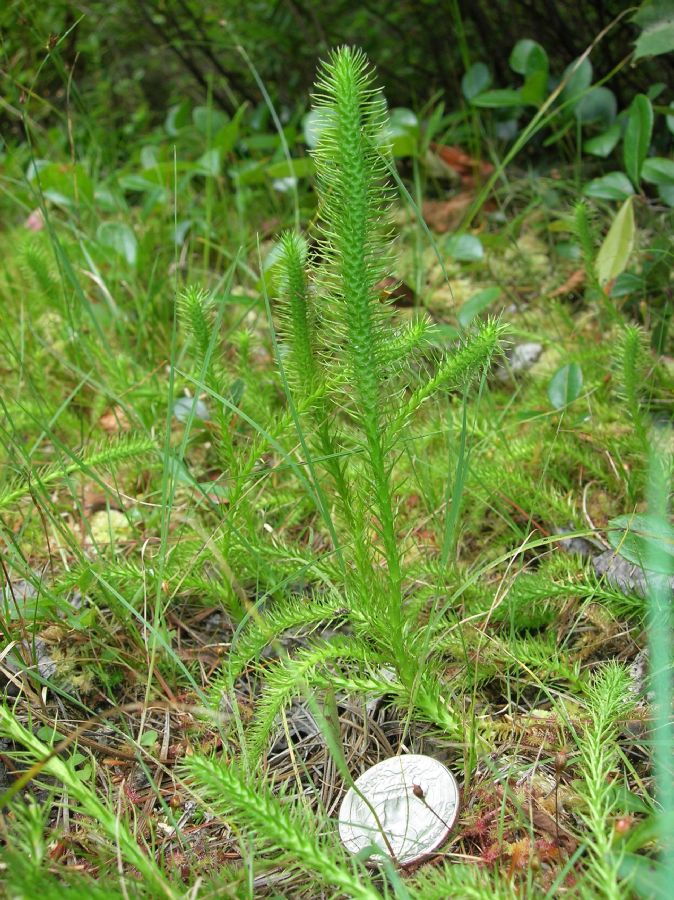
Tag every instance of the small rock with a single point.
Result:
(639, 676)
(622, 575)
(577, 545)
(182, 409)
(521, 358)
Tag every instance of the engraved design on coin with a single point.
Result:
(414, 797)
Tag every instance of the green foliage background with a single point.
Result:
(132, 60)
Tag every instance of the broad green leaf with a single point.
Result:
(109, 200)
(603, 144)
(578, 82)
(565, 385)
(598, 105)
(210, 163)
(666, 193)
(149, 738)
(465, 248)
(669, 119)
(627, 283)
(530, 60)
(402, 132)
(65, 184)
(655, 90)
(615, 251)
(249, 171)
(273, 256)
(178, 116)
(637, 138)
(313, 125)
(49, 735)
(181, 229)
(658, 170)
(207, 120)
(149, 156)
(568, 250)
(120, 238)
(476, 80)
(528, 56)
(643, 540)
(477, 304)
(657, 23)
(35, 166)
(534, 89)
(228, 135)
(614, 186)
(269, 142)
(138, 183)
(500, 98)
(296, 168)
(402, 121)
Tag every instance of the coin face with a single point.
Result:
(405, 806)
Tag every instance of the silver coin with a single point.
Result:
(405, 806)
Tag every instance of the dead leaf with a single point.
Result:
(113, 421)
(464, 165)
(395, 291)
(94, 501)
(575, 280)
(444, 215)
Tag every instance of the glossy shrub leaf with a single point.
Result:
(657, 23)
(465, 248)
(499, 98)
(120, 238)
(658, 170)
(643, 539)
(615, 251)
(477, 304)
(476, 80)
(599, 106)
(637, 138)
(603, 144)
(614, 186)
(565, 385)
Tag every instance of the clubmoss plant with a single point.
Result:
(348, 368)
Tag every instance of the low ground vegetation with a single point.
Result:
(327, 439)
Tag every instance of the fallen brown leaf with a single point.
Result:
(444, 215)
(575, 280)
(460, 161)
(395, 291)
(114, 420)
